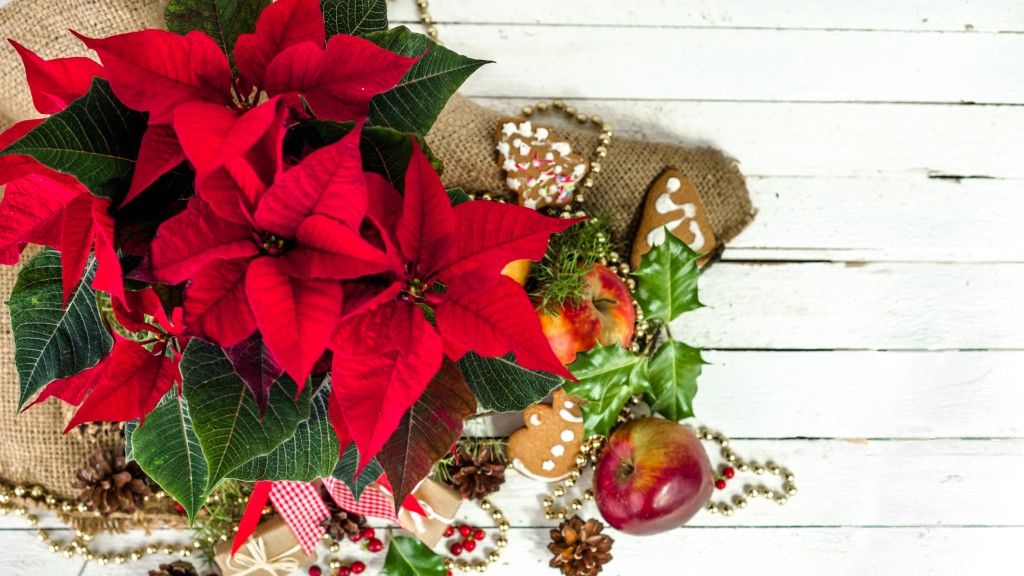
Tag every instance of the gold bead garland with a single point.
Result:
(761, 490)
(493, 555)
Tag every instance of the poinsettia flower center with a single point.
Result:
(273, 245)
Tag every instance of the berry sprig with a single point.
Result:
(339, 568)
(470, 536)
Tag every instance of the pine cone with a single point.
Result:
(579, 547)
(341, 523)
(177, 568)
(112, 484)
(479, 477)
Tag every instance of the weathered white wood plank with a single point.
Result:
(915, 15)
(850, 395)
(834, 140)
(873, 219)
(858, 306)
(22, 555)
(715, 64)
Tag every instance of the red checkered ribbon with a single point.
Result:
(301, 507)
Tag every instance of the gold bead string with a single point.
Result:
(427, 20)
(750, 491)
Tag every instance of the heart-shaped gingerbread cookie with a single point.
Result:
(540, 169)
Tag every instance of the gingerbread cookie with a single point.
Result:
(540, 169)
(673, 206)
(546, 449)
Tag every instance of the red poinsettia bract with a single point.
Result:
(278, 265)
(288, 55)
(447, 260)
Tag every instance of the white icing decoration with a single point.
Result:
(548, 465)
(534, 420)
(562, 148)
(567, 435)
(521, 468)
(541, 133)
(569, 404)
(509, 129)
(569, 416)
(558, 450)
(664, 204)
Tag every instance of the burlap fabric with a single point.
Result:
(32, 448)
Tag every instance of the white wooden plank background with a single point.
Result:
(867, 329)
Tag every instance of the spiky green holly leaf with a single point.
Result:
(414, 104)
(95, 139)
(673, 373)
(225, 416)
(168, 451)
(408, 556)
(427, 431)
(355, 17)
(502, 385)
(667, 280)
(222, 20)
(606, 378)
(311, 453)
(346, 471)
(52, 341)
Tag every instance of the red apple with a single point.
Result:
(653, 476)
(604, 316)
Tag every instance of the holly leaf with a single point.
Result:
(606, 378)
(95, 139)
(667, 277)
(168, 451)
(222, 20)
(501, 385)
(414, 104)
(427, 431)
(355, 17)
(225, 416)
(458, 196)
(52, 341)
(311, 453)
(673, 375)
(408, 556)
(346, 471)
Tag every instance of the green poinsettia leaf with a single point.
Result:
(311, 453)
(95, 139)
(458, 196)
(225, 415)
(52, 341)
(222, 20)
(428, 430)
(346, 471)
(414, 104)
(667, 280)
(355, 17)
(673, 373)
(168, 451)
(606, 378)
(502, 385)
(408, 556)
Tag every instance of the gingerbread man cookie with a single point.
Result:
(673, 206)
(546, 449)
(542, 171)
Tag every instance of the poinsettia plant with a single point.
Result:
(251, 257)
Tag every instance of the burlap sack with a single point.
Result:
(32, 449)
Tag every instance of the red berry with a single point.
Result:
(465, 530)
(720, 484)
(358, 567)
(367, 532)
(344, 571)
(355, 537)
(448, 573)
(479, 534)
(374, 545)
(469, 545)
(456, 549)
(449, 531)
(179, 508)
(315, 570)
(729, 472)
